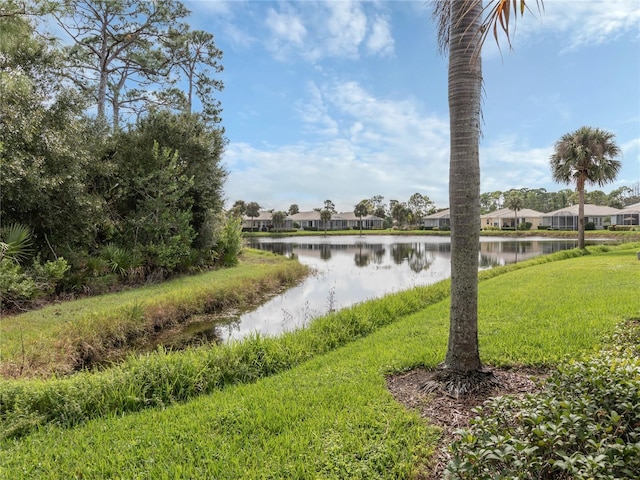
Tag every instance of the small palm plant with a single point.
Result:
(15, 242)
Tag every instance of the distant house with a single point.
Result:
(629, 215)
(506, 218)
(307, 220)
(567, 218)
(438, 219)
(339, 221)
(349, 220)
(263, 223)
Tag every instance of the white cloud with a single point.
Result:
(237, 37)
(380, 40)
(287, 33)
(287, 27)
(507, 164)
(592, 22)
(317, 30)
(315, 114)
(372, 146)
(576, 24)
(345, 28)
(381, 146)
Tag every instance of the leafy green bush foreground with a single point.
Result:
(584, 425)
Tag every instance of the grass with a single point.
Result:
(331, 416)
(63, 337)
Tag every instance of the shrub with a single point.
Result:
(230, 242)
(20, 287)
(585, 424)
(119, 259)
(16, 288)
(622, 228)
(543, 227)
(48, 275)
(589, 226)
(445, 228)
(525, 226)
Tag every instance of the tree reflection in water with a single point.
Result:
(349, 270)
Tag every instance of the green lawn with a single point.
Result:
(332, 417)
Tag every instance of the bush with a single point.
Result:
(589, 226)
(16, 288)
(543, 227)
(230, 242)
(585, 424)
(525, 226)
(445, 228)
(20, 287)
(119, 259)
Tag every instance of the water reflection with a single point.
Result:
(352, 269)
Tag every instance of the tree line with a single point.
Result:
(102, 196)
(407, 213)
(543, 201)
(413, 211)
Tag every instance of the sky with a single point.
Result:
(344, 100)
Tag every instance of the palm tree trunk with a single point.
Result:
(581, 212)
(465, 84)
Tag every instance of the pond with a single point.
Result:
(352, 269)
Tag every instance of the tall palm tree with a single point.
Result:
(362, 209)
(586, 156)
(462, 28)
(515, 202)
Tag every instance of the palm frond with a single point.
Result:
(497, 16)
(16, 242)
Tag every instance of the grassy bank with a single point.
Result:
(64, 337)
(332, 417)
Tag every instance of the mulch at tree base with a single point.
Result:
(450, 413)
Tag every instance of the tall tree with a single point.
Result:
(420, 206)
(623, 196)
(596, 197)
(462, 31)
(252, 210)
(326, 213)
(238, 209)
(197, 58)
(278, 218)
(293, 209)
(116, 50)
(586, 156)
(362, 209)
(399, 212)
(45, 160)
(514, 201)
(199, 148)
(379, 208)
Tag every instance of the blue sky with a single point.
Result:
(344, 100)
